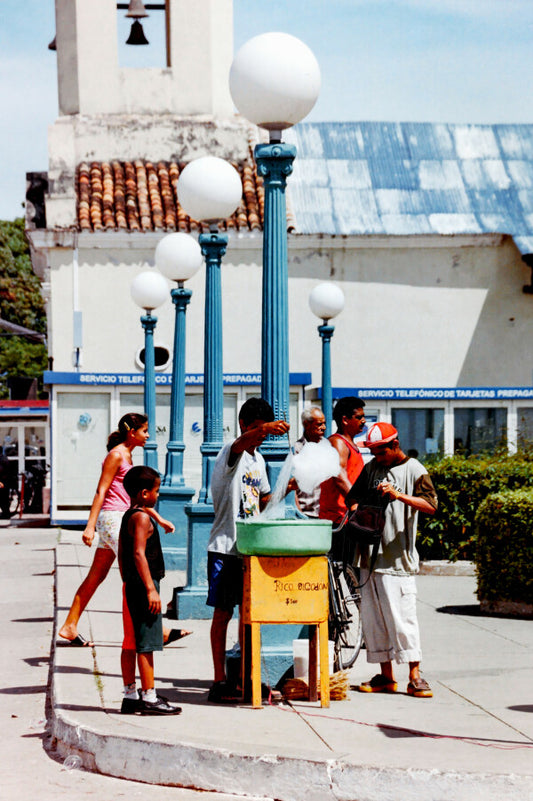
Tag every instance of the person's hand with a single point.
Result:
(388, 490)
(1, 485)
(167, 526)
(88, 536)
(292, 485)
(154, 601)
(276, 428)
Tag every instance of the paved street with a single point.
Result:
(473, 739)
(28, 765)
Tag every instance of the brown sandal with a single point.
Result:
(419, 688)
(378, 684)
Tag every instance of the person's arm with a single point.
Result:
(253, 437)
(166, 525)
(425, 499)
(341, 480)
(142, 529)
(358, 491)
(109, 470)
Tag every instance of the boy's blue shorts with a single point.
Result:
(224, 575)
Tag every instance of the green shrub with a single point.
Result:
(504, 547)
(462, 484)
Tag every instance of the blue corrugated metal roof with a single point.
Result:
(413, 178)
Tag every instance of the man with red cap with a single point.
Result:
(401, 487)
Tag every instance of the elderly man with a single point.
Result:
(314, 425)
(401, 487)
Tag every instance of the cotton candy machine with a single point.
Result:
(283, 537)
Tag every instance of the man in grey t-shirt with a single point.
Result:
(240, 489)
(402, 487)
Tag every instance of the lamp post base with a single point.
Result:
(192, 598)
(277, 652)
(171, 506)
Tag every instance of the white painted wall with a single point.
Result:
(443, 314)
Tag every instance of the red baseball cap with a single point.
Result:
(380, 434)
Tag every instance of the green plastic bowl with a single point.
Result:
(283, 537)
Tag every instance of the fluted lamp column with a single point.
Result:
(149, 290)
(274, 83)
(179, 258)
(209, 189)
(326, 301)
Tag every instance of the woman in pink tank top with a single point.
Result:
(110, 502)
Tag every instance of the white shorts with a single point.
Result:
(108, 528)
(388, 615)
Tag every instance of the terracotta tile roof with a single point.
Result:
(141, 196)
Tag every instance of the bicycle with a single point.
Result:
(344, 625)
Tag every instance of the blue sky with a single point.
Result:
(401, 60)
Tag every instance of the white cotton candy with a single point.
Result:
(316, 462)
(275, 509)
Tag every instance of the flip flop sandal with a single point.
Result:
(176, 634)
(378, 684)
(79, 642)
(419, 688)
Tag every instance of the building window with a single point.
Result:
(524, 427)
(479, 430)
(420, 431)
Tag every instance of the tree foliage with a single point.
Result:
(504, 547)
(21, 303)
(462, 484)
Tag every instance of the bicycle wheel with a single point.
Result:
(349, 632)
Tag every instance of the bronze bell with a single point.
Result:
(136, 9)
(137, 36)
(52, 45)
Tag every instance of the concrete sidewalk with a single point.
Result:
(473, 739)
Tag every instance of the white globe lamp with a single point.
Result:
(326, 300)
(209, 189)
(274, 80)
(149, 290)
(178, 256)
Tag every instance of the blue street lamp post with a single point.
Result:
(209, 189)
(326, 301)
(149, 290)
(178, 257)
(150, 448)
(326, 332)
(274, 83)
(274, 165)
(213, 247)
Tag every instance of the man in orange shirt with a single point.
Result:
(350, 419)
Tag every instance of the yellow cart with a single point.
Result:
(287, 589)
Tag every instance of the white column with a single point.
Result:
(201, 52)
(87, 56)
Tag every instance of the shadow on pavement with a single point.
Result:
(474, 610)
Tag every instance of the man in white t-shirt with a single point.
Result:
(240, 489)
(402, 487)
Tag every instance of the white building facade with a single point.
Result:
(436, 327)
